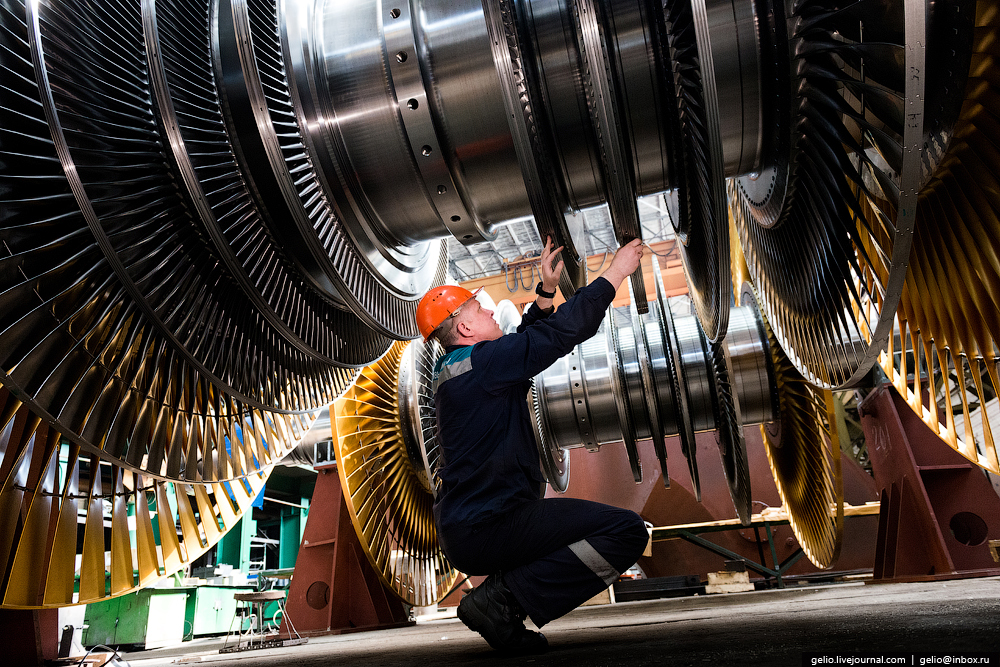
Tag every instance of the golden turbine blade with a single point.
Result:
(944, 355)
(388, 504)
(47, 481)
(803, 452)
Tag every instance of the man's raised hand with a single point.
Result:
(626, 261)
(550, 273)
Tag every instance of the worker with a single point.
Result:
(543, 557)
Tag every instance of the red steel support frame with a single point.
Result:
(334, 588)
(31, 636)
(938, 510)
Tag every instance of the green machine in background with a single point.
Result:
(151, 618)
(263, 543)
(211, 610)
(280, 522)
(235, 546)
(156, 617)
(270, 538)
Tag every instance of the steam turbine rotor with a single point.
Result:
(214, 213)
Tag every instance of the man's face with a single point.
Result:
(480, 322)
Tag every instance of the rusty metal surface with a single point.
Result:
(335, 589)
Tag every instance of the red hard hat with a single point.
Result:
(438, 305)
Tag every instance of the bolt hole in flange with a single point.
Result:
(968, 528)
(412, 104)
(394, 13)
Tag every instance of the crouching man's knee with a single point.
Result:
(633, 535)
(636, 535)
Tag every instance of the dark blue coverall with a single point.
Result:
(554, 553)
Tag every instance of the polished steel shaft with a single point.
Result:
(647, 377)
(584, 395)
(429, 119)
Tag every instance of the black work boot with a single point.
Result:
(493, 611)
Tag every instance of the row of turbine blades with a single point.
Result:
(849, 147)
(179, 236)
(869, 224)
(147, 306)
(77, 528)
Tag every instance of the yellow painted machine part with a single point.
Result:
(45, 482)
(944, 360)
(390, 508)
(803, 448)
(737, 260)
(804, 455)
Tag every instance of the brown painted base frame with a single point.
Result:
(334, 588)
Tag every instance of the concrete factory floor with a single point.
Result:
(949, 618)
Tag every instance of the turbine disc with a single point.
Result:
(803, 452)
(701, 224)
(650, 352)
(618, 356)
(264, 116)
(94, 235)
(729, 433)
(681, 403)
(944, 359)
(555, 460)
(826, 224)
(519, 88)
(418, 418)
(179, 46)
(58, 501)
(602, 92)
(390, 508)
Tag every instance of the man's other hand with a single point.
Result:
(550, 272)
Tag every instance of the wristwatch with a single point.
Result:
(540, 291)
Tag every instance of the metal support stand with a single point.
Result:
(692, 536)
(939, 511)
(32, 636)
(775, 517)
(334, 588)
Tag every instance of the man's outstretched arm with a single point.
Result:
(538, 344)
